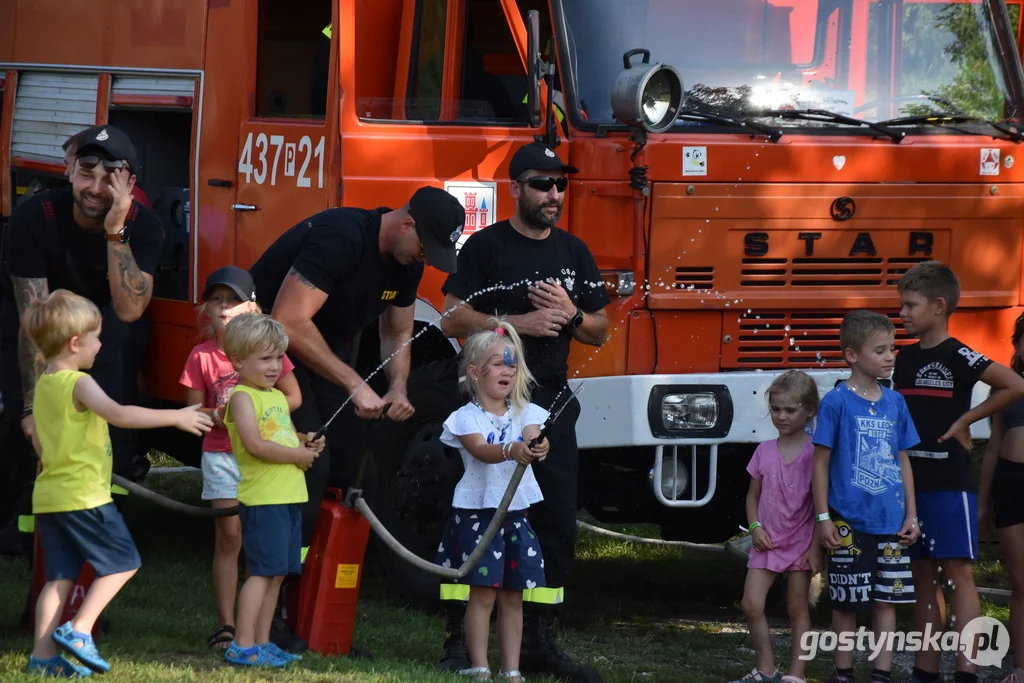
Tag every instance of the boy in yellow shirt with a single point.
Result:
(75, 514)
(271, 459)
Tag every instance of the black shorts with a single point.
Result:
(867, 568)
(1007, 502)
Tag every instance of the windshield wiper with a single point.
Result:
(940, 119)
(825, 116)
(694, 115)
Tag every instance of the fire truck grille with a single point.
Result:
(773, 339)
(824, 272)
(695, 278)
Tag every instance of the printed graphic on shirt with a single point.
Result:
(933, 379)
(222, 387)
(875, 468)
(569, 278)
(973, 357)
(275, 426)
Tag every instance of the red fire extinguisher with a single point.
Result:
(325, 613)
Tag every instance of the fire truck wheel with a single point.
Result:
(416, 475)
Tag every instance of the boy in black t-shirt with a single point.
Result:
(936, 376)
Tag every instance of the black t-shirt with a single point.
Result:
(43, 241)
(499, 256)
(338, 251)
(937, 384)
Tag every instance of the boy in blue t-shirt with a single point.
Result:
(864, 489)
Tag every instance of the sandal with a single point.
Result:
(276, 651)
(80, 646)
(513, 674)
(225, 634)
(56, 667)
(477, 673)
(253, 656)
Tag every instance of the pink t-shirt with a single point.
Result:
(208, 369)
(786, 507)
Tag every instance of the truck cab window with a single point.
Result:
(427, 67)
(493, 78)
(293, 58)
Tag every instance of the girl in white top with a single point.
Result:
(492, 432)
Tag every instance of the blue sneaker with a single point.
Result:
(81, 647)
(274, 650)
(57, 667)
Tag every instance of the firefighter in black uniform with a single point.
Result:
(565, 300)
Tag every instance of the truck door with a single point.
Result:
(284, 140)
(451, 112)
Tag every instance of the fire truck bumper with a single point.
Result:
(684, 418)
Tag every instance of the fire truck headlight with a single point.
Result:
(675, 477)
(646, 95)
(689, 411)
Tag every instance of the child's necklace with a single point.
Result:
(864, 393)
(503, 425)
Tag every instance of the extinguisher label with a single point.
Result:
(347, 576)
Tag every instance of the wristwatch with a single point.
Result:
(119, 236)
(576, 319)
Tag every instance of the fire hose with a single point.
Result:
(354, 498)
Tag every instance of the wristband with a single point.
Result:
(26, 411)
(753, 526)
(506, 451)
(824, 516)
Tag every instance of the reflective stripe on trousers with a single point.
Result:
(540, 596)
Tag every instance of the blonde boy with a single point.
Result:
(271, 459)
(75, 514)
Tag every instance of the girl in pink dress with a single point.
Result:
(781, 515)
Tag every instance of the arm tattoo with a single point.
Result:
(133, 281)
(301, 278)
(30, 359)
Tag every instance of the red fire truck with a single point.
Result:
(750, 170)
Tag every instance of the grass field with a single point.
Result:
(639, 613)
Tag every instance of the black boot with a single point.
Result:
(456, 656)
(541, 654)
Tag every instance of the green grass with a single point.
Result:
(639, 613)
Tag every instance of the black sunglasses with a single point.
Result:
(544, 183)
(90, 161)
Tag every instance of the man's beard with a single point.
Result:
(93, 212)
(533, 215)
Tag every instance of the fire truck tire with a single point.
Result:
(416, 476)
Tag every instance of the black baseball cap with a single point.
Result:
(111, 141)
(538, 157)
(439, 219)
(234, 277)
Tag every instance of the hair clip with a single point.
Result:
(499, 330)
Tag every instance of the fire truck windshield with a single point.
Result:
(873, 60)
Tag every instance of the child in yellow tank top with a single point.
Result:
(75, 514)
(271, 459)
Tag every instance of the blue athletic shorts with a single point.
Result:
(272, 538)
(98, 536)
(949, 526)
(512, 561)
